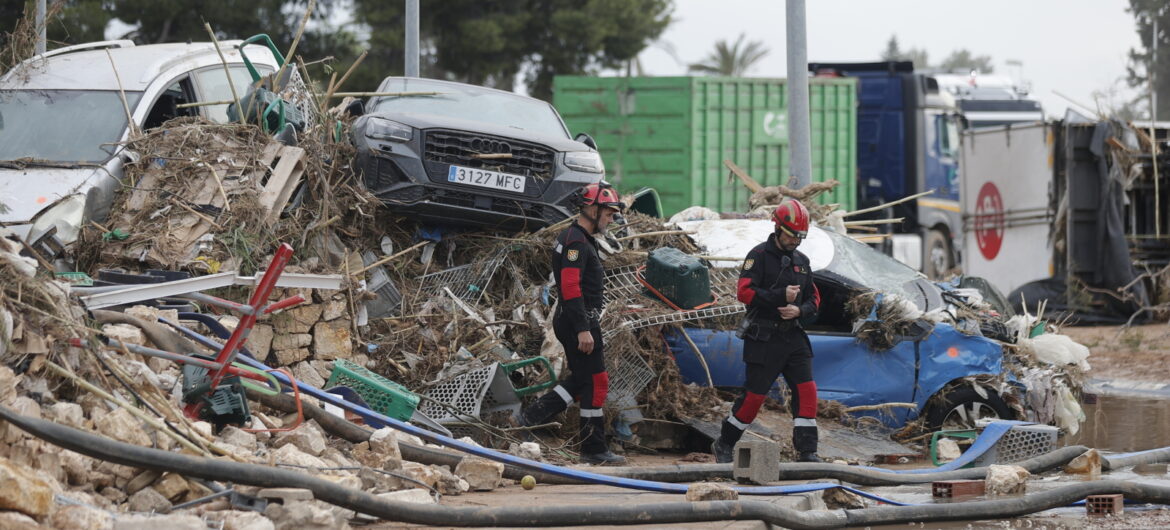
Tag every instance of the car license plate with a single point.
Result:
(486, 179)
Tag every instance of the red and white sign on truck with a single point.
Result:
(1007, 173)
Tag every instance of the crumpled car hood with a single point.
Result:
(25, 192)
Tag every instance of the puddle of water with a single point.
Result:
(1124, 423)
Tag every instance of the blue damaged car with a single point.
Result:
(933, 366)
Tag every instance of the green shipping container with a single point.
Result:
(673, 134)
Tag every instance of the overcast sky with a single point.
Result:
(1075, 47)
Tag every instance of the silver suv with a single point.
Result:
(62, 119)
(461, 154)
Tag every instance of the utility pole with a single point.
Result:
(412, 38)
(1153, 120)
(41, 33)
(800, 150)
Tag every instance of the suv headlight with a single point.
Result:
(66, 215)
(587, 161)
(388, 130)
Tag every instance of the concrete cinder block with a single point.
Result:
(756, 462)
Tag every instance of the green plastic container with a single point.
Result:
(381, 394)
(682, 279)
(673, 134)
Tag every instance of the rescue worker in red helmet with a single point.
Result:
(776, 285)
(577, 323)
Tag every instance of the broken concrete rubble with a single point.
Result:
(481, 474)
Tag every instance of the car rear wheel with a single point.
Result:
(961, 407)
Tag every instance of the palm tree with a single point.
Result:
(731, 60)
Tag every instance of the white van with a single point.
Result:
(62, 121)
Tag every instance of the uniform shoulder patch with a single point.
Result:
(572, 254)
(747, 263)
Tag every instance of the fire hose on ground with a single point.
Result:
(664, 478)
(652, 513)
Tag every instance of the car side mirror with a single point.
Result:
(355, 108)
(587, 140)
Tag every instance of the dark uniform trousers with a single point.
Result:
(579, 282)
(784, 351)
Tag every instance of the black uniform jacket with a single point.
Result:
(577, 269)
(767, 272)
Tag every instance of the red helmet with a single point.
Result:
(601, 193)
(791, 217)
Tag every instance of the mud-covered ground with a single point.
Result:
(1139, 353)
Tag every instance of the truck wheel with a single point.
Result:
(960, 407)
(939, 258)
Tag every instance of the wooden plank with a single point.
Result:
(285, 177)
(144, 190)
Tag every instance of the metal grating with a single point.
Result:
(628, 374)
(477, 393)
(674, 318)
(1021, 443)
(468, 282)
(622, 282)
(389, 300)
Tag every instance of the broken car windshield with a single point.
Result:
(867, 267)
(67, 126)
(485, 105)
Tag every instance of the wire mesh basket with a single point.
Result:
(462, 402)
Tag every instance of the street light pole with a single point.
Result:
(800, 150)
(41, 33)
(412, 53)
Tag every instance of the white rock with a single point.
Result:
(78, 516)
(1006, 480)
(239, 438)
(23, 490)
(8, 382)
(18, 521)
(124, 427)
(333, 340)
(289, 454)
(948, 449)
(67, 413)
(124, 333)
(154, 522)
(303, 516)
(148, 500)
(235, 520)
(307, 437)
(291, 341)
(384, 442)
(415, 495)
(307, 374)
(24, 406)
(481, 474)
(527, 450)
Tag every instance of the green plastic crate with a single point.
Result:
(381, 394)
(681, 278)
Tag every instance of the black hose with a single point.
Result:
(1010, 507)
(669, 473)
(876, 477)
(1153, 456)
(657, 513)
(264, 476)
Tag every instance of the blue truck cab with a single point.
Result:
(907, 143)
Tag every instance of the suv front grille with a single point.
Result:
(456, 148)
